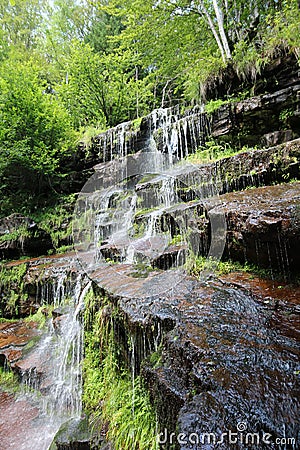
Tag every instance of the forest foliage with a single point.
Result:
(66, 66)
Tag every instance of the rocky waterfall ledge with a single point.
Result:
(265, 120)
(212, 354)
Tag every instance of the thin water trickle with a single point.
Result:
(53, 367)
(119, 234)
(167, 192)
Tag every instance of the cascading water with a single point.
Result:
(53, 367)
(121, 233)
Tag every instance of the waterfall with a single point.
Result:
(54, 366)
(167, 191)
(115, 230)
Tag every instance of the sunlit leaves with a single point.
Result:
(101, 88)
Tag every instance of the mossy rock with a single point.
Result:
(72, 435)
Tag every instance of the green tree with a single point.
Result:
(187, 42)
(101, 89)
(22, 21)
(35, 130)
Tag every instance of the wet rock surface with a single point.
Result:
(223, 356)
(73, 435)
(214, 353)
(263, 226)
(274, 75)
(238, 368)
(44, 281)
(258, 120)
(14, 336)
(20, 425)
(252, 168)
(252, 119)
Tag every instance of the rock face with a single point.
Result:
(167, 127)
(73, 435)
(18, 420)
(21, 236)
(208, 351)
(267, 119)
(26, 285)
(275, 75)
(262, 225)
(249, 169)
(218, 354)
(262, 120)
(14, 336)
(213, 354)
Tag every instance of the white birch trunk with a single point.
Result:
(219, 16)
(213, 29)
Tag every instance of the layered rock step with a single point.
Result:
(252, 168)
(169, 214)
(260, 226)
(227, 361)
(257, 120)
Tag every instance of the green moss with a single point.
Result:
(12, 288)
(136, 123)
(57, 221)
(214, 151)
(213, 105)
(176, 240)
(87, 134)
(8, 381)
(20, 234)
(156, 359)
(41, 316)
(138, 230)
(196, 265)
(148, 177)
(144, 211)
(110, 395)
(12, 275)
(71, 432)
(141, 270)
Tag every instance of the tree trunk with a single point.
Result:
(219, 16)
(204, 11)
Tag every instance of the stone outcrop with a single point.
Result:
(214, 351)
(26, 285)
(14, 336)
(277, 74)
(267, 119)
(248, 169)
(197, 345)
(21, 236)
(73, 435)
(262, 226)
